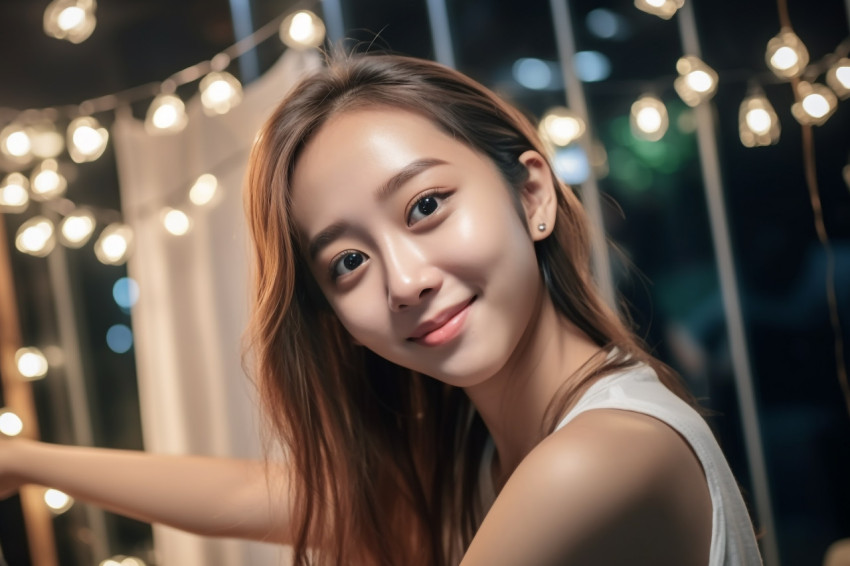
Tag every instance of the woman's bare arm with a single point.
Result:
(202, 495)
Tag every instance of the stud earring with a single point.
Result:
(541, 227)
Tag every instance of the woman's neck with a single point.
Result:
(513, 402)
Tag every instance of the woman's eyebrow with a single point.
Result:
(409, 171)
(335, 230)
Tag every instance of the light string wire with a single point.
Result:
(820, 226)
(137, 93)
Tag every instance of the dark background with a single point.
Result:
(655, 213)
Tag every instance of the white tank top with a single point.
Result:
(638, 389)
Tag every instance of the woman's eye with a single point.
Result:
(423, 207)
(346, 263)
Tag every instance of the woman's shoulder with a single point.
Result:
(610, 487)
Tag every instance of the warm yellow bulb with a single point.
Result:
(220, 92)
(166, 114)
(786, 55)
(77, 228)
(10, 423)
(72, 20)
(816, 103)
(176, 222)
(58, 501)
(14, 195)
(302, 29)
(31, 363)
(86, 139)
(114, 245)
(36, 237)
(648, 118)
(204, 189)
(46, 182)
(562, 126)
(696, 83)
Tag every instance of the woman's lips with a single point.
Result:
(447, 327)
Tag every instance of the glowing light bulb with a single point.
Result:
(838, 78)
(662, 8)
(86, 139)
(36, 237)
(166, 114)
(14, 196)
(76, 229)
(114, 245)
(786, 55)
(176, 221)
(816, 103)
(696, 82)
(204, 190)
(561, 126)
(648, 118)
(46, 182)
(302, 30)
(10, 423)
(123, 561)
(58, 501)
(31, 363)
(220, 92)
(758, 124)
(18, 144)
(72, 20)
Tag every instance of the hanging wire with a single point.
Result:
(820, 228)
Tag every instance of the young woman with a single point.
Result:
(433, 357)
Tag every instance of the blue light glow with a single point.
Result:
(571, 164)
(592, 66)
(125, 292)
(119, 338)
(532, 73)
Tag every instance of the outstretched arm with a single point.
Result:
(202, 495)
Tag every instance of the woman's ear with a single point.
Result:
(538, 195)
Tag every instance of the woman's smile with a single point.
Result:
(444, 327)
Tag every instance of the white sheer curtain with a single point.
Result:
(193, 297)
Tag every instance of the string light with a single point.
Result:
(166, 115)
(36, 237)
(220, 91)
(15, 143)
(114, 245)
(14, 194)
(838, 78)
(302, 30)
(10, 423)
(76, 228)
(648, 118)
(661, 8)
(176, 222)
(86, 139)
(696, 82)
(816, 103)
(31, 363)
(204, 190)
(57, 501)
(786, 55)
(73, 20)
(561, 126)
(46, 182)
(758, 124)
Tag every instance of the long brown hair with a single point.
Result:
(384, 462)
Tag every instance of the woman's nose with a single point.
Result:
(410, 277)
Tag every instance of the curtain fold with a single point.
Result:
(193, 301)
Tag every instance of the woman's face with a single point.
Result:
(417, 244)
